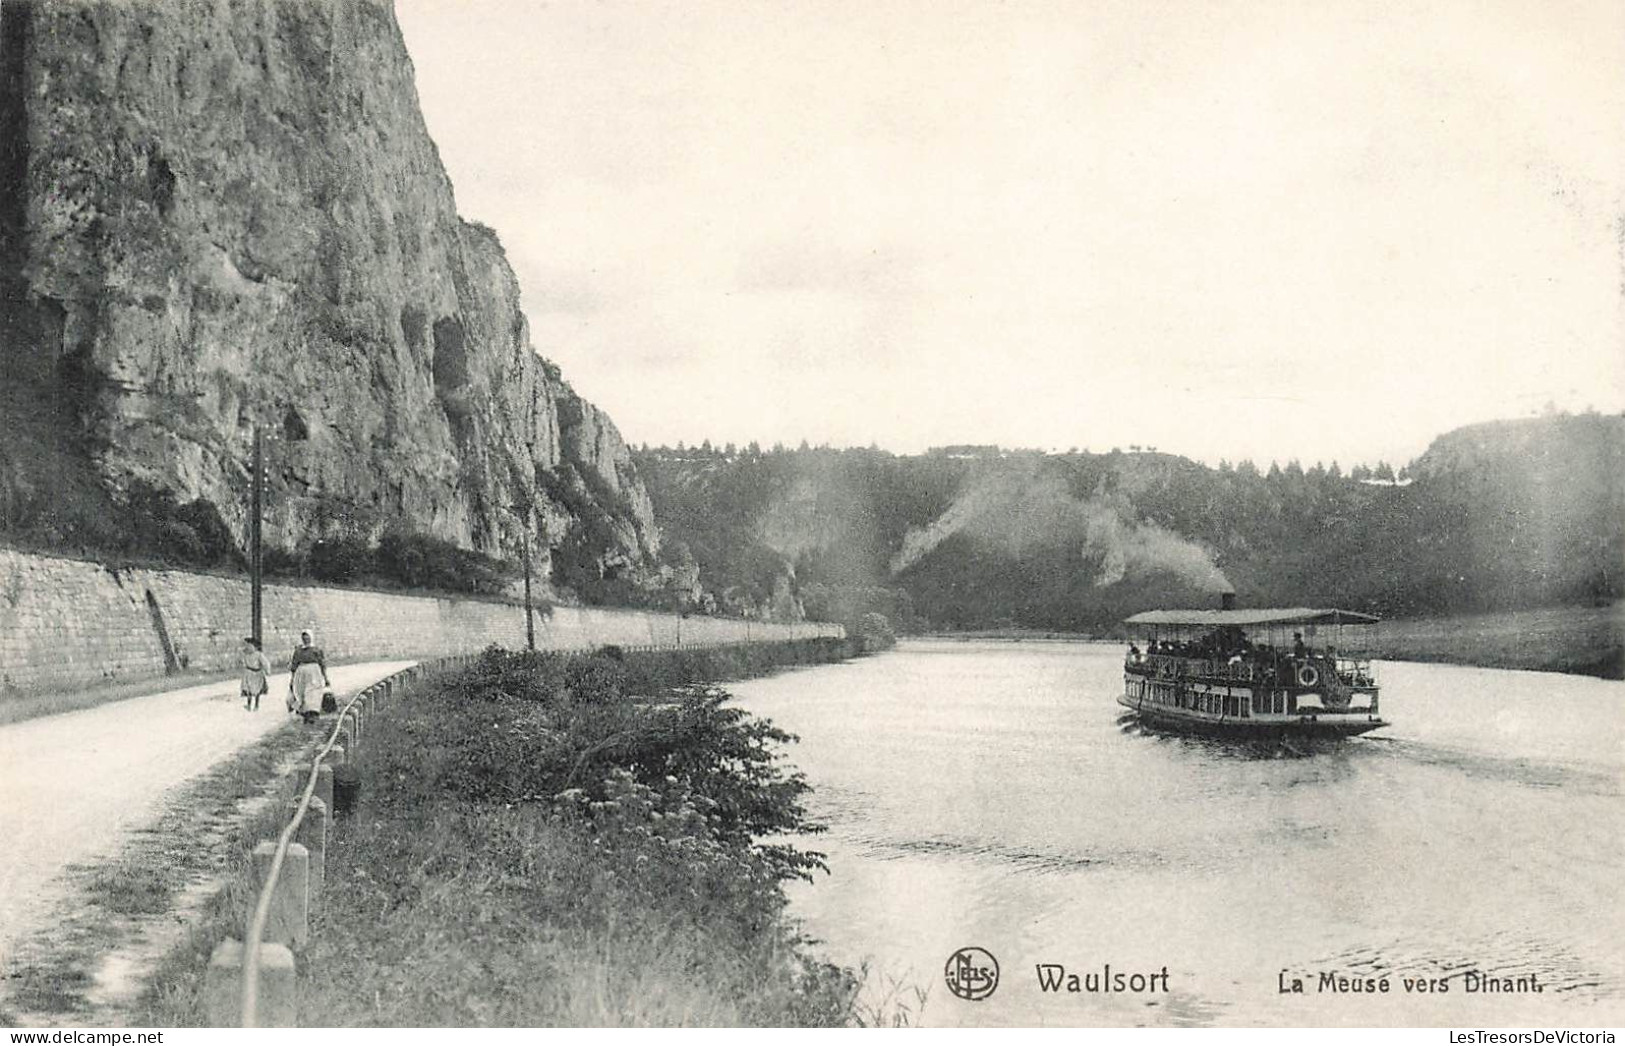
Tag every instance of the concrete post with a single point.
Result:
(347, 733)
(335, 756)
(223, 987)
(324, 783)
(289, 921)
(312, 835)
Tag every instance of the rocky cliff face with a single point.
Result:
(231, 215)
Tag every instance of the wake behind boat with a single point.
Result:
(1265, 673)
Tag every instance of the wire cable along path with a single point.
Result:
(348, 721)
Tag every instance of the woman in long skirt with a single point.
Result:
(308, 679)
(256, 674)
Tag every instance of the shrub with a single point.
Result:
(558, 729)
(340, 559)
(420, 561)
(177, 540)
(215, 541)
(283, 562)
(875, 633)
(189, 534)
(406, 558)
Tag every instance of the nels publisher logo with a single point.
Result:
(972, 973)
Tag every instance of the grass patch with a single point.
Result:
(506, 917)
(540, 848)
(51, 987)
(131, 888)
(562, 840)
(173, 993)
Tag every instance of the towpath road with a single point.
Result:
(72, 785)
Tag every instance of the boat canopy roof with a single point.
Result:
(1261, 616)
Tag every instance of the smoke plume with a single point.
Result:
(1019, 513)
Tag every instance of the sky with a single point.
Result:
(1252, 229)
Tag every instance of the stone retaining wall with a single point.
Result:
(66, 623)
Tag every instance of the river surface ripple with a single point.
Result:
(991, 794)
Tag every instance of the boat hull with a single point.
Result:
(1325, 725)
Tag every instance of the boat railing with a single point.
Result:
(1173, 666)
(1239, 671)
(1351, 671)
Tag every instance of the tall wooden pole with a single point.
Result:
(255, 561)
(530, 620)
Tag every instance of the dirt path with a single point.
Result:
(73, 786)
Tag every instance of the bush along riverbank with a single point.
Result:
(564, 840)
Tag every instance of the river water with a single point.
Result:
(992, 795)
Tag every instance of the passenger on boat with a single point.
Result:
(1298, 649)
(1266, 658)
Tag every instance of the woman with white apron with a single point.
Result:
(308, 679)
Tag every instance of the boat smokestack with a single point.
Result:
(1227, 601)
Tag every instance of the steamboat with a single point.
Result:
(1268, 673)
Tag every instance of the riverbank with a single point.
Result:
(565, 840)
(1587, 641)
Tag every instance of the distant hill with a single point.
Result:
(1505, 515)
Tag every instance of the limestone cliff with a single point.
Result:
(223, 214)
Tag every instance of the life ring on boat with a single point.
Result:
(1308, 675)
